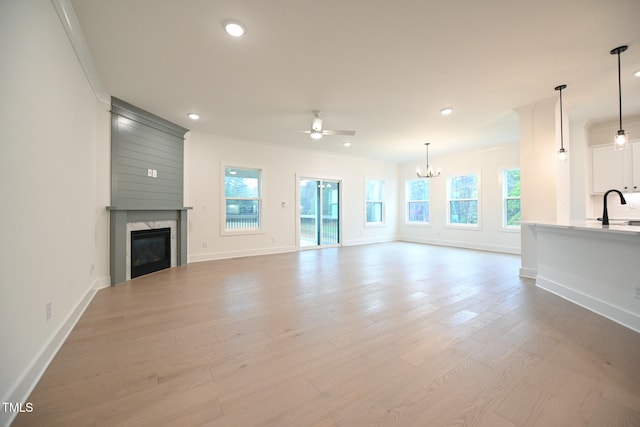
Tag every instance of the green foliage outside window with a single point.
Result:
(511, 179)
(463, 199)
(241, 183)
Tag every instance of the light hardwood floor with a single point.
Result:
(388, 334)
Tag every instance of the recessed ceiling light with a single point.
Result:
(234, 29)
(637, 73)
(446, 111)
(193, 116)
(347, 144)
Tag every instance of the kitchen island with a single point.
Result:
(593, 266)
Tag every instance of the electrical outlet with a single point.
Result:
(636, 291)
(205, 243)
(150, 172)
(155, 173)
(48, 311)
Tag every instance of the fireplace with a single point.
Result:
(126, 221)
(142, 142)
(150, 251)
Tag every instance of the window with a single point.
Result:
(511, 198)
(374, 201)
(242, 193)
(462, 192)
(418, 201)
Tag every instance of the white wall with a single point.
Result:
(205, 155)
(53, 224)
(490, 235)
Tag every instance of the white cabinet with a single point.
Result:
(635, 166)
(615, 169)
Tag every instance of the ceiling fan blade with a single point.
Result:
(339, 132)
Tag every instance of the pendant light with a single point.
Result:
(562, 153)
(429, 173)
(621, 139)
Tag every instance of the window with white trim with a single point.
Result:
(511, 198)
(417, 194)
(462, 198)
(374, 202)
(243, 199)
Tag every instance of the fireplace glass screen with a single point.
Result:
(150, 251)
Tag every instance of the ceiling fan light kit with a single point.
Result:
(317, 132)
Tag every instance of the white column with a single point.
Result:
(538, 175)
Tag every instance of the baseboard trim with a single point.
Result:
(101, 283)
(213, 256)
(27, 381)
(529, 273)
(515, 250)
(604, 309)
(358, 242)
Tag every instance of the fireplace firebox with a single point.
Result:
(150, 251)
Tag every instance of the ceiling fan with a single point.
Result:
(317, 132)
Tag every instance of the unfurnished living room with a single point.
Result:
(338, 213)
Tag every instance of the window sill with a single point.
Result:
(374, 224)
(473, 227)
(230, 233)
(417, 224)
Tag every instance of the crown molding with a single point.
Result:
(70, 22)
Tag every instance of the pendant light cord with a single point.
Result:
(619, 91)
(618, 51)
(561, 128)
(559, 88)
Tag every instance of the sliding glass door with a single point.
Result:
(319, 212)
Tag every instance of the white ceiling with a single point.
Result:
(382, 68)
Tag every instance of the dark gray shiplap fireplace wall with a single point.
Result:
(147, 176)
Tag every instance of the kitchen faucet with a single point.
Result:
(605, 213)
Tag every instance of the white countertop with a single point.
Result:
(615, 226)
